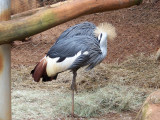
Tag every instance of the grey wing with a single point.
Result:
(91, 59)
(71, 46)
(85, 28)
(64, 49)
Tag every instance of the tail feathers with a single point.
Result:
(40, 70)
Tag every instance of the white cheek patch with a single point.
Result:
(54, 67)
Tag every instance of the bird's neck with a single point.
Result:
(103, 44)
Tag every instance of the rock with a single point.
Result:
(151, 107)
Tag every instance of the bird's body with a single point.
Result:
(81, 45)
(85, 28)
(65, 49)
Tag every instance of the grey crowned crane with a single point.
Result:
(81, 45)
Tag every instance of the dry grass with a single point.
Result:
(36, 104)
(141, 70)
(109, 87)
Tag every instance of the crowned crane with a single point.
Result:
(85, 28)
(81, 45)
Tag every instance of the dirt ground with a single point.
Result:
(138, 30)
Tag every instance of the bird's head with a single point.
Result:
(105, 31)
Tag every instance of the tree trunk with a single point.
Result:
(52, 16)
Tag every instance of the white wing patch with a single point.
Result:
(54, 67)
(86, 53)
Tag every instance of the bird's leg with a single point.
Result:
(73, 88)
(73, 85)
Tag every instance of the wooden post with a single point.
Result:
(5, 67)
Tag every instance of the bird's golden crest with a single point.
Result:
(108, 28)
